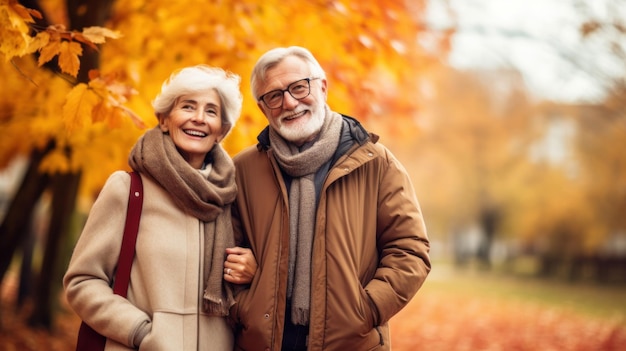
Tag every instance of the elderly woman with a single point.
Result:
(177, 296)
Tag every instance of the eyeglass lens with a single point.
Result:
(298, 90)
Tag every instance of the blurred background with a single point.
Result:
(509, 115)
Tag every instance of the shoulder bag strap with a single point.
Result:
(127, 252)
(88, 339)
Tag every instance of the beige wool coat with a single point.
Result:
(166, 283)
(370, 251)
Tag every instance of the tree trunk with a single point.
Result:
(64, 193)
(25, 289)
(489, 218)
(16, 221)
(81, 13)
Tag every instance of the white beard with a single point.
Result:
(304, 132)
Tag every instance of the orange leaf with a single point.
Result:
(49, 51)
(93, 74)
(68, 57)
(99, 112)
(81, 38)
(114, 119)
(35, 13)
(24, 12)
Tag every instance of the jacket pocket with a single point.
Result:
(369, 310)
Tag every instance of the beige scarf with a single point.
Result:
(301, 164)
(207, 197)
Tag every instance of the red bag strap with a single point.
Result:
(127, 252)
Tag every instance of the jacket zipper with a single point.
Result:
(280, 249)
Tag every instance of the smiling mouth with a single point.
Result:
(195, 133)
(294, 116)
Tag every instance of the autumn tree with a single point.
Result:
(603, 128)
(544, 179)
(473, 146)
(52, 149)
(601, 149)
(584, 195)
(83, 121)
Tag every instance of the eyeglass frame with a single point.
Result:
(282, 91)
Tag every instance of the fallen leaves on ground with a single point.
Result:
(17, 335)
(430, 322)
(449, 323)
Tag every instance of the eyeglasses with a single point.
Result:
(298, 90)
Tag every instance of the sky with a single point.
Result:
(540, 38)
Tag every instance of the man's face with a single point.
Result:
(298, 121)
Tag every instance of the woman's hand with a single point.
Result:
(240, 265)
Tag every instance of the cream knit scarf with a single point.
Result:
(301, 164)
(206, 197)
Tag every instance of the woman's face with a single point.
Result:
(195, 125)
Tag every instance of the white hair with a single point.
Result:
(274, 57)
(199, 78)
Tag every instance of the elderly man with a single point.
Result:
(331, 216)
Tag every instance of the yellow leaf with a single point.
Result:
(13, 44)
(49, 51)
(71, 115)
(78, 107)
(98, 35)
(68, 57)
(13, 33)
